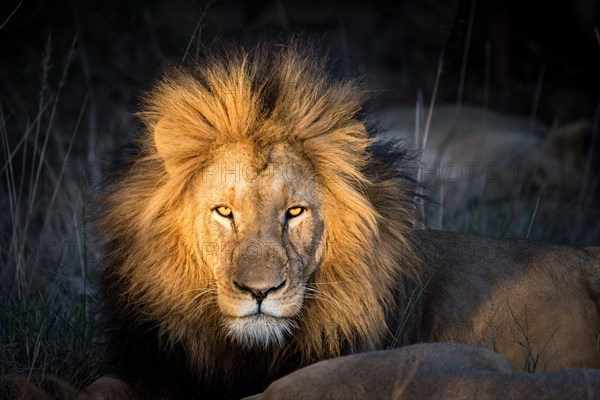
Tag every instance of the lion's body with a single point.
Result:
(260, 228)
(535, 303)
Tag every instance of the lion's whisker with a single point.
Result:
(332, 282)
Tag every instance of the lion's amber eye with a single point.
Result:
(224, 211)
(294, 212)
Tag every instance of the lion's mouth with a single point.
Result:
(261, 317)
(259, 329)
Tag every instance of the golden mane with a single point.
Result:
(153, 269)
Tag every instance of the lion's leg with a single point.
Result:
(107, 388)
(27, 387)
(51, 387)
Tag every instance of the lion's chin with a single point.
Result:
(259, 330)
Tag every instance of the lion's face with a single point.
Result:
(258, 205)
(260, 231)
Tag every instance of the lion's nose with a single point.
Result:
(258, 294)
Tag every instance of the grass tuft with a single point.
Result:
(47, 320)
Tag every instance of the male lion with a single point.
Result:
(260, 227)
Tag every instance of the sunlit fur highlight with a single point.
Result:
(265, 95)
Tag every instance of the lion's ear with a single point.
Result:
(180, 144)
(175, 144)
(164, 140)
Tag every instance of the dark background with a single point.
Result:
(121, 46)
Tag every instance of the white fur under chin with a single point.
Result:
(259, 330)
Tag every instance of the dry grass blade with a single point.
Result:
(10, 16)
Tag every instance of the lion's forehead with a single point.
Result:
(242, 174)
